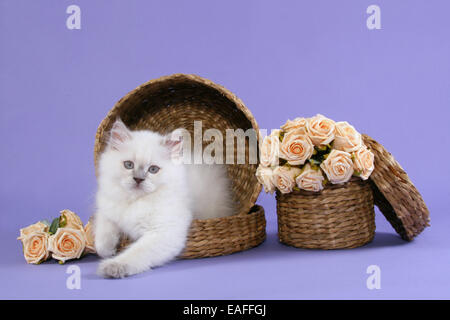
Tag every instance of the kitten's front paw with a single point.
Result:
(103, 252)
(111, 268)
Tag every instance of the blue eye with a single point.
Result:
(153, 169)
(128, 164)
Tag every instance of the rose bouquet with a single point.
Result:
(308, 153)
(63, 239)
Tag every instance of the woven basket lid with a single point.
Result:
(395, 195)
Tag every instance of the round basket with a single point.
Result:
(395, 194)
(338, 217)
(176, 101)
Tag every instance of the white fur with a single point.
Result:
(157, 213)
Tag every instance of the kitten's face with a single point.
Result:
(140, 169)
(137, 161)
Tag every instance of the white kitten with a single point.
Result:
(144, 194)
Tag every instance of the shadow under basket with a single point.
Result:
(338, 217)
(176, 101)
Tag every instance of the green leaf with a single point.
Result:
(62, 221)
(54, 226)
(314, 162)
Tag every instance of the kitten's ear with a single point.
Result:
(118, 135)
(174, 142)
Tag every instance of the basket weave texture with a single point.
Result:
(395, 195)
(340, 216)
(176, 101)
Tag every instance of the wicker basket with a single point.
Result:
(340, 216)
(177, 101)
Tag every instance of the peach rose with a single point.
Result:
(67, 243)
(284, 178)
(264, 176)
(72, 220)
(35, 247)
(310, 179)
(363, 162)
(338, 166)
(347, 138)
(298, 124)
(296, 148)
(269, 149)
(320, 130)
(37, 227)
(89, 233)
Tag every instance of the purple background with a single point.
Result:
(283, 59)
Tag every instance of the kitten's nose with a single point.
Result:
(138, 180)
